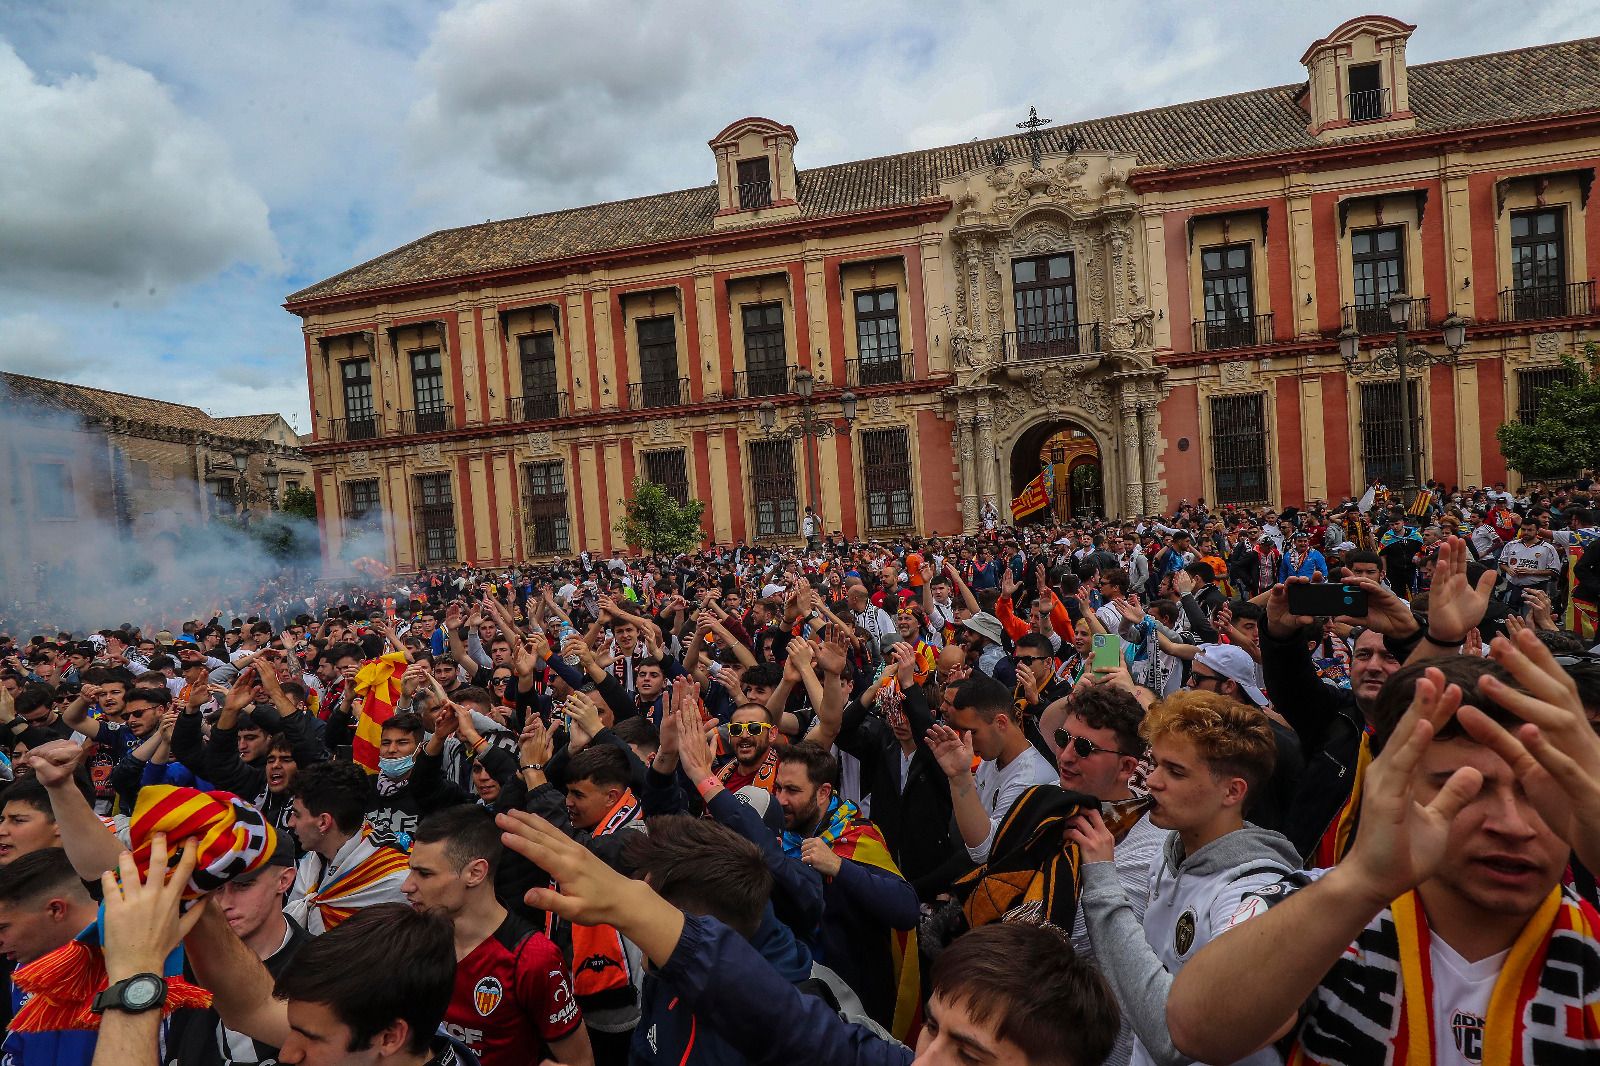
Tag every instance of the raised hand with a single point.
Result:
(1280, 623)
(1008, 584)
(144, 921)
(694, 751)
(815, 853)
(952, 750)
(1088, 830)
(1183, 582)
(535, 746)
(591, 892)
(1129, 609)
(1386, 612)
(54, 763)
(446, 720)
(1456, 605)
(584, 715)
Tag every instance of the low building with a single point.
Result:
(1156, 299)
(84, 469)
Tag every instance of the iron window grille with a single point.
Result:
(670, 470)
(773, 488)
(1239, 448)
(755, 184)
(886, 473)
(436, 519)
(361, 500)
(1382, 448)
(1531, 385)
(544, 508)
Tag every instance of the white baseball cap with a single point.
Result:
(1233, 663)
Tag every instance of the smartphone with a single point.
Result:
(1326, 600)
(1106, 653)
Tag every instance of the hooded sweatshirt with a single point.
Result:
(1192, 899)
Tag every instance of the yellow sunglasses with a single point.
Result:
(754, 729)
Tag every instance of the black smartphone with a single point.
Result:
(1326, 600)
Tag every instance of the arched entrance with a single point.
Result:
(1074, 455)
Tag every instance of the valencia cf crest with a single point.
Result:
(486, 995)
(1183, 935)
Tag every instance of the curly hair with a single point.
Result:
(1235, 739)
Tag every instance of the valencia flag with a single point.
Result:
(378, 685)
(1035, 497)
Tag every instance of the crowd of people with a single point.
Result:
(1068, 793)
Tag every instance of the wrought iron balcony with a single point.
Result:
(1061, 341)
(668, 392)
(1370, 105)
(341, 430)
(1219, 336)
(754, 195)
(538, 408)
(1372, 321)
(880, 370)
(770, 381)
(427, 420)
(1533, 302)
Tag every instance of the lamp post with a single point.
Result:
(809, 427)
(1402, 358)
(269, 474)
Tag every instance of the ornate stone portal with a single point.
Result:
(1108, 382)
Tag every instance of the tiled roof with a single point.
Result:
(1528, 83)
(92, 403)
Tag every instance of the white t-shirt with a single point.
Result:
(1461, 992)
(998, 789)
(1539, 555)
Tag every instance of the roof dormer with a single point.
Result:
(755, 172)
(1358, 79)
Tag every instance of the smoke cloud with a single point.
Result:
(74, 556)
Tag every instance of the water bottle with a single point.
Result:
(567, 633)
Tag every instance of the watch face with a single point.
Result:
(143, 992)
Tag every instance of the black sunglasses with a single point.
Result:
(499, 680)
(1029, 660)
(1084, 747)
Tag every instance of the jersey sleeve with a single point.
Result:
(1260, 899)
(544, 989)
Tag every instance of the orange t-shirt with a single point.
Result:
(914, 569)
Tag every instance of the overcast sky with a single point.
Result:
(170, 171)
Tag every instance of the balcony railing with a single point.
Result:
(1252, 332)
(1374, 320)
(429, 420)
(774, 381)
(1369, 105)
(669, 392)
(341, 430)
(1547, 301)
(1062, 341)
(880, 370)
(539, 408)
(754, 195)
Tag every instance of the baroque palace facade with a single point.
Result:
(1152, 300)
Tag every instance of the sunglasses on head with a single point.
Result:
(1084, 747)
(754, 729)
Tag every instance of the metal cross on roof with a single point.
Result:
(1033, 125)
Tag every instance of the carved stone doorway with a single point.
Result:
(1074, 454)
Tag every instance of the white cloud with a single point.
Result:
(109, 190)
(32, 344)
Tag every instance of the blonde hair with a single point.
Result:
(1234, 738)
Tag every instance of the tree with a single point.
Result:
(1565, 435)
(659, 524)
(300, 502)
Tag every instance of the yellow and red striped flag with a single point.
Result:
(1035, 497)
(378, 685)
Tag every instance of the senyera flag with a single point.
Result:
(378, 685)
(1035, 497)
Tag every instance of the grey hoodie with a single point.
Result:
(1192, 899)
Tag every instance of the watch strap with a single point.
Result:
(114, 997)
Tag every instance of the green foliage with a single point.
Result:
(658, 524)
(300, 502)
(1565, 437)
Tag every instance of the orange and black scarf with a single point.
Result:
(766, 773)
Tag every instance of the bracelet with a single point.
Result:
(708, 784)
(539, 766)
(1431, 639)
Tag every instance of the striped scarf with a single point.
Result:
(860, 841)
(766, 772)
(1545, 1006)
(1339, 835)
(363, 874)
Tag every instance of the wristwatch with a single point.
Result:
(137, 994)
(539, 766)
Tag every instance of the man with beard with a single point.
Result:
(144, 708)
(864, 896)
(755, 761)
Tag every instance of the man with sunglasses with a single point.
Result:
(754, 762)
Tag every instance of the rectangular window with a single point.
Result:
(1044, 298)
(886, 473)
(765, 359)
(772, 486)
(52, 491)
(1378, 267)
(755, 184)
(1382, 447)
(1226, 276)
(224, 498)
(1530, 385)
(1366, 103)
(878, 337)
(540, 399)
(670, 470)
(361, 499)
(427, 390)
(658, 362)
(436, 519)
(1539, 265)
(544, 508)
(360, 419)
(1239, 448)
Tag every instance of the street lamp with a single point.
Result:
(809, 427)
(1402, 359)
(241, 458)
(269, 474)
